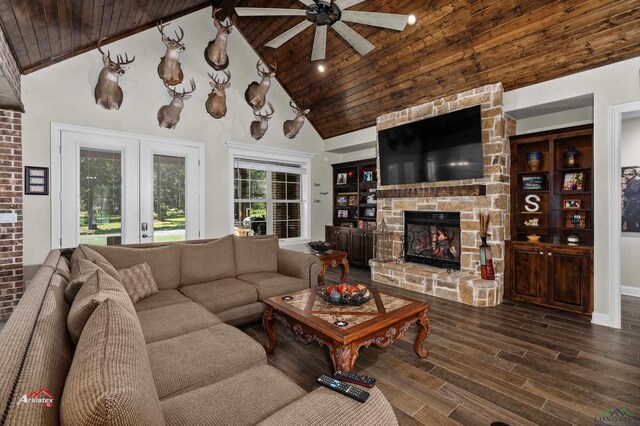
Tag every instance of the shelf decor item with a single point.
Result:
(342, 179)
(367, 176)
(383, 243)
(570, 157)
(343, 214)
(341, 200)
(532, 183)
(572, 204)
(573, 240)
(534, 159)
(533, 238)
(573, 182)
(370, 212)
(486, 259)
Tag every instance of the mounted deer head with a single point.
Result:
(216, 52)
(256, 93)
(217, 101)
(169, 68)
(169, 115)
(261, 124)
(292, 127)
(108, 93)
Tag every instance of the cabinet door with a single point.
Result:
(569, 279)
(357, 253)
(330, 235)
(528, 274)
(343, 237)
(368, 247)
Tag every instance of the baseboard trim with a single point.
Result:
(600, 319)
(627, 290)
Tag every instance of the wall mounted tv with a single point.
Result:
(446, 147)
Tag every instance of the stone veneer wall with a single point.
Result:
(466, 285)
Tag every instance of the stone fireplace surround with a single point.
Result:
(469, 197)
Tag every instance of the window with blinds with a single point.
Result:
(268, 197)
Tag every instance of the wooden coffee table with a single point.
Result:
(346, 329)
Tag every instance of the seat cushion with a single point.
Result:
(256, 254)
(244, 399)
(164, 261)
(271, 284)
(138, 282)
(220, 295)
(110, 380)
(202, 357)
(160, 299)
(98, 287)
(211, 261)
(175, 320)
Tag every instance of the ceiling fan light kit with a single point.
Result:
(330, 13)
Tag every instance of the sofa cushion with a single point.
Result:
(244, 399)
(220, 295)
(160, 299)
(271, 284)
(201, 357)
(164, 261)
(138, 282)
(207, 262)
(242, 314)
(82, 270)
(256, 254)
(97, 288)
(110, 379)
(87, 253)
(63, 268)
(175, 320)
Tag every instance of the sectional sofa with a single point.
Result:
(79, 351)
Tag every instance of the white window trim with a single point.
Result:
(56, 158)
(281, 155)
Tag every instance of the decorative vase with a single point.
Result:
(486, 261)
(534, 158)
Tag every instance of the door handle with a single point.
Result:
(146, 235)
(541, 253)
(549, 254)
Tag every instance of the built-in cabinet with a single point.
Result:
(551, 197)
(354, 210)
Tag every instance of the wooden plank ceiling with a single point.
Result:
(456, 45)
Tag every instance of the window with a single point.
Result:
(268, 197)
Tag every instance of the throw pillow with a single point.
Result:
(138, 282)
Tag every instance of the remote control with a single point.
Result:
(343, 388)
(358, 379)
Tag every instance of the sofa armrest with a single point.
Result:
(325, 407)
(300, 265)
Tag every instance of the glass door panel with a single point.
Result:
(169, 198)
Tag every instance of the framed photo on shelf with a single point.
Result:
(573, 182)
(371, 199)
(341, 201)
(343, 214)
(352, 200)
(342, 179)
(576, 221)
(367, 176)
(532, 182)
(369, 212)
(572, 204)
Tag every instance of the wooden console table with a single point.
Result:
(333, 259)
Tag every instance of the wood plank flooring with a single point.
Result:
(515, 363)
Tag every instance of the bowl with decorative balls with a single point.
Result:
(346, 294)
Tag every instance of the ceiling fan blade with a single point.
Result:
(319, 43)
(288, 35)
(345, 4)
(384, 20)
(266, 11)
(353, 38)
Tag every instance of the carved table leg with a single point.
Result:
(322, 274)
(343, 357)
(345, 269)
(424, 328)
(267, 323)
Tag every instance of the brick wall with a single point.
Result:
(9, 77)
(11, 274)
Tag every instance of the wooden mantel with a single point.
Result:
(434, 191)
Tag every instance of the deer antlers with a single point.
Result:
(232, 19)
(178, 37)
(270, 68)
(119, 59)
(184, 92)
(267, 115)
(215, 78)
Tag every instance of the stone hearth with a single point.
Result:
(470, 197)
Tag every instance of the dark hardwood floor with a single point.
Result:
(515, 363)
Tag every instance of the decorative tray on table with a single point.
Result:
(345, 294)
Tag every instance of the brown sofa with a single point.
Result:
(171, 358)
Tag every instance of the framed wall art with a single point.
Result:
(36, 180)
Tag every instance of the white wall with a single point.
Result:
(64, 93)
(630, 244)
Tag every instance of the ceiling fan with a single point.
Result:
(329, 13)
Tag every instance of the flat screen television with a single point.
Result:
(446, 147)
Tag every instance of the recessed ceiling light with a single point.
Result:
(412, 19)
(321, 68)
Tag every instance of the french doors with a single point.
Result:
(119, 189)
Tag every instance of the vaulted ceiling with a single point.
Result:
(456, 45)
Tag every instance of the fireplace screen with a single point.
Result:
(432, 238)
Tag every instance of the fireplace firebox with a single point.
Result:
(432, 238)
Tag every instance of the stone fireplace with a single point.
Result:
(432, 238)
(458, 277)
